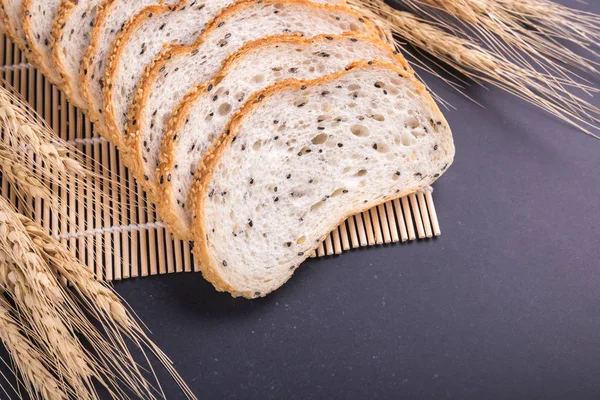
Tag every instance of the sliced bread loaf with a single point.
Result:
(71, 32)
(178, 69)
(110, 19)
(141, 40)
(37, 18)
(11, 12)
(302, 156)
(199, 121)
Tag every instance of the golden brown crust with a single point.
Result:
(164, 195)
(117, 49)
(203, 176)
(35, 55)
(85, 78)
(65, 10)
(133, 140)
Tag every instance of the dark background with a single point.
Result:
(505, 304)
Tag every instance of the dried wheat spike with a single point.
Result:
(30, 263)
(38, 380)
(483, 65)
(504, 26)
(41, 165)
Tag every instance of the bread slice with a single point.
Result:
(302, 156)
(141, 40)
(71, 34)
(178, 69)
(199, 121)
(110, 19)
(37, 18)
(10, 13)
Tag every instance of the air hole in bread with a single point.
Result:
(300, 103)
(305, 150)
(316, 206)
(353, 87)
(338, 192)
(408, 139)
(320, 139)
(412, 122)
(362, 172)
(381, 147)
(224, 109)
(360, 130)
(258, 78)
(257, 145)
(418, 132)
(378, 117)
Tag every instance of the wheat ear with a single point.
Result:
(39, 381)
(483, 65)
(36, 299)
(54, 319)
(96, 299)
(557, 21)
(100, 299)
(490, 22)
(41, 165)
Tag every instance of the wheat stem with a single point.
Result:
(30, 262)
(492, 22)
(28, 359)
(483, 65)
(44, 166)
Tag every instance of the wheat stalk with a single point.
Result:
(30, 262)
(42, 307)
(41, 165)
(497, 25)
(556, 20)
(483, 65)
(100, 299)
(39, 381)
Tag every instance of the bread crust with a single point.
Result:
(117, 49)
(10, 29)
(165, 196)
(203, 176)
(34, 54)
(85, 79)
(133, 140)
(65, 10)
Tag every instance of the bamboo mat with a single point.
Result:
(130, 241)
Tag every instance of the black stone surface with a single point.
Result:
(505, 304)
